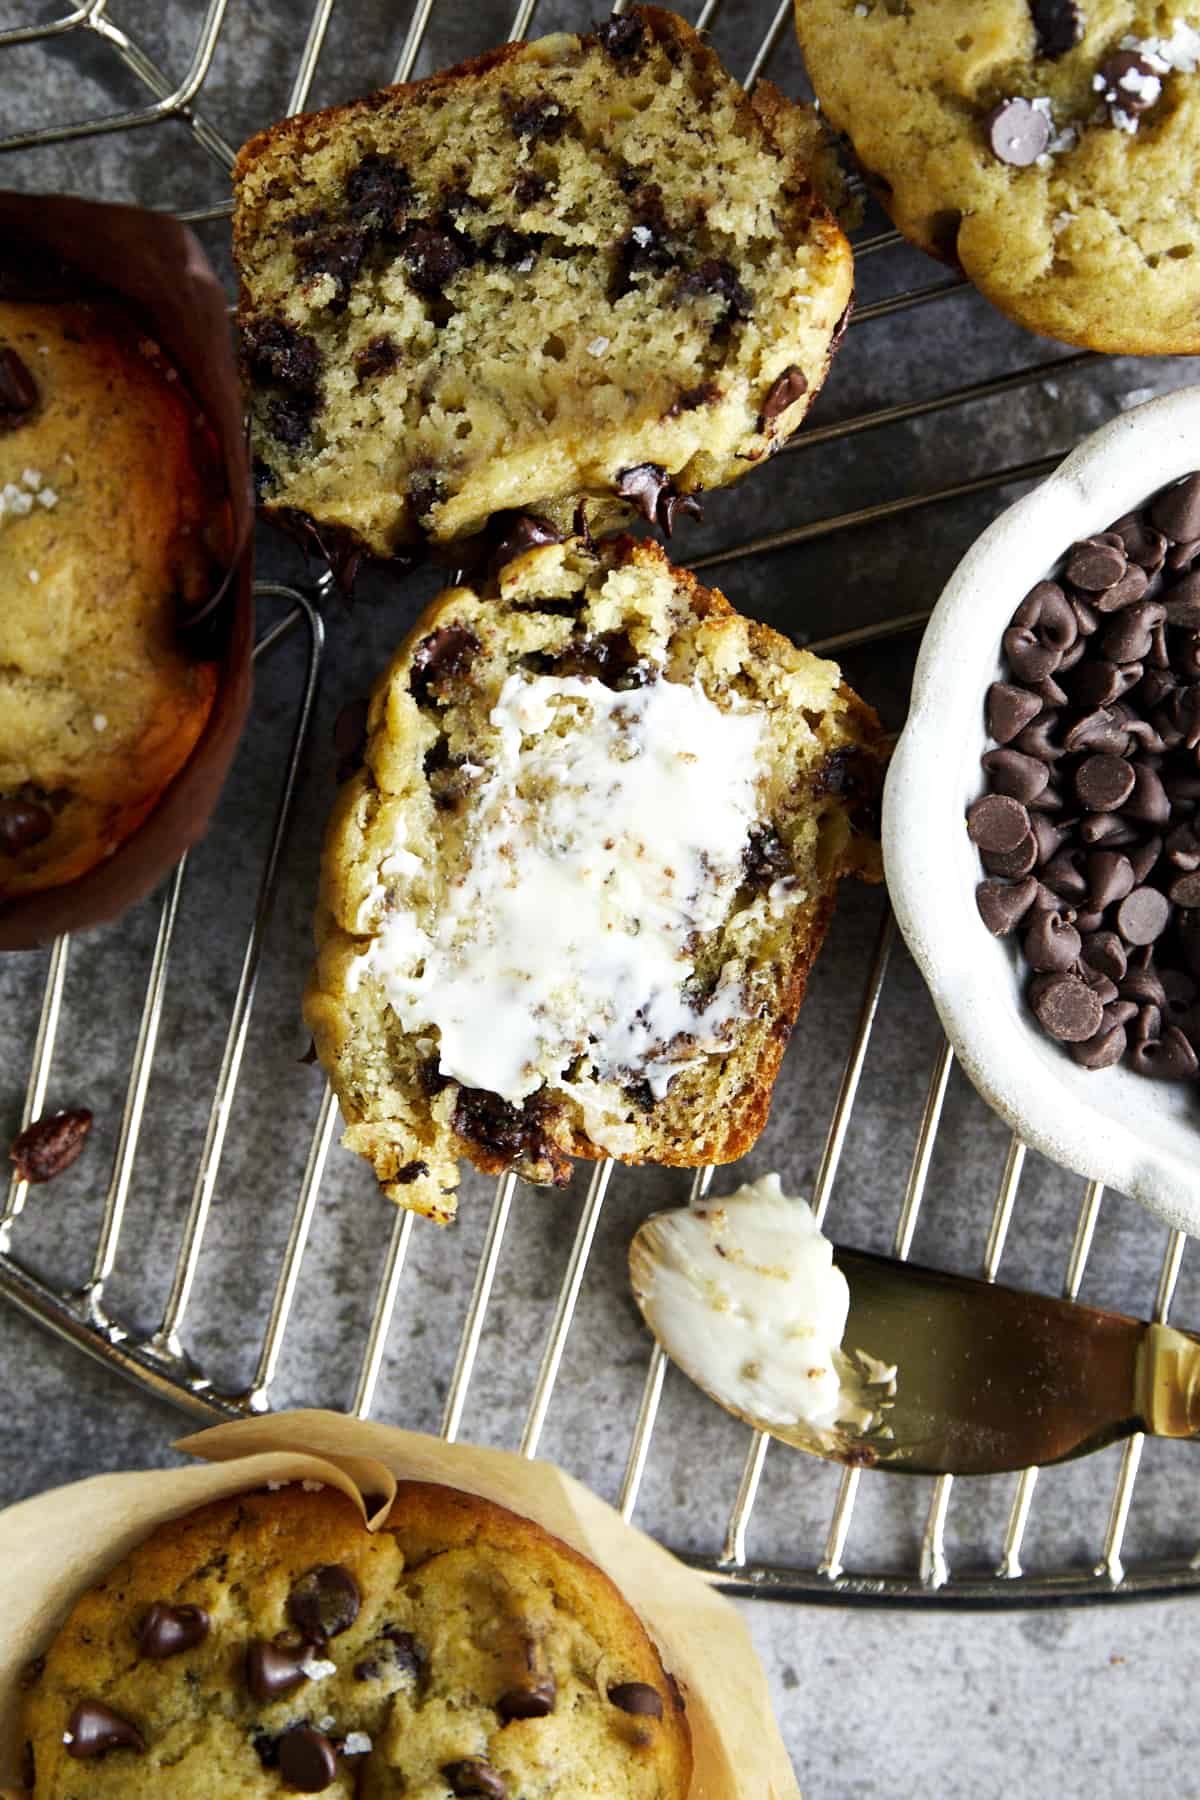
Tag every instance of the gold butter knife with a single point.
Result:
(945, 1375)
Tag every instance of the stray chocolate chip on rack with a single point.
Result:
(50, 1145)
(1090, 831)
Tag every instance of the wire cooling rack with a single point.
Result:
(160, 1359)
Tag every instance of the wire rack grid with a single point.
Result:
(160, 1360)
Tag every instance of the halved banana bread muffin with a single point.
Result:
(570, 901)
(582, 269)
(270, 1645)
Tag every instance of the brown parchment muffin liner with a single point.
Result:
(58, 1544)
(158, 267)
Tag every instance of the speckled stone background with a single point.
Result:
(1065, 1703)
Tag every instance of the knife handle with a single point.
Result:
(1168, 1382)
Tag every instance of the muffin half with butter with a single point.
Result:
(113, 523)
(571, 898)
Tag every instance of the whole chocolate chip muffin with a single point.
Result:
(270, 1645)
(1046, 146)
(582, 269)
(113, 524)
(570, 902)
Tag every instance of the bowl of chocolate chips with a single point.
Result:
(1042, 812)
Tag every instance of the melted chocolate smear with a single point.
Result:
(276, 351)
(378, 191)
(717, 276)
(515, 1134)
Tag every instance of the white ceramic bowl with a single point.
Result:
(1134, 1134)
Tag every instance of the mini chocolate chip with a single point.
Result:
(1003, 904)
(1095, 565)
(1012, 863)
(445, 655)
(1108, 828)
(1183, 847)
(274, 1669)
(1185, 890)
(1051, 943)
(307, 1759)
(1104, 783)
(472, 1775)
(168, 1630)
(1103, 1051)
(1132, 586)
(1183, 603)
(1104, 989)
(18, 391)
(1009, 710)
(1017, 132)
(1010, 772)
(1048, 836)
(403, 1649)
(1047, 610)
(533, 1702)
(94, 1729)
(1145, 857)
(1141, 984)
(23, 823)
(1037, 739)
(997, 823)
(1179, 991)
(1110, 877)
(1064, 874)
(1143, 915)
(50, 1145)
(324, 1602)
(1176, 511)
(1168, 1058)
(784, 391)
(1068, 1009)
(1029, 659)
(621, 37)
(1143, 545)
(1101, 730)
(1131, 637)
(1058, 25)
(1148, 801)
(637, 1698)
(1099, 682)
(1104, 951)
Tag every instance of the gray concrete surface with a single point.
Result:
(1066, 1703)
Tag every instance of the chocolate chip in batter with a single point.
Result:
(622, 38)
(307, 1759)
(472, 1775)
(444, 656)
(276, 351)
(169, 1630)
(378, 190)
(274, 1669)
(1058, 25)
(94, 1729)
(324, 1602)
(538, 120)
(23, 823)
(717, 276)
(50, 1145)
(18, 391)
(1017, 132)
(766, 858)
(534, 1701)
(637, 1698)
(784, 391)
(433, 258)
(377, 356)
